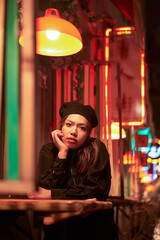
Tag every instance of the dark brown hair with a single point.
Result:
(84, 156)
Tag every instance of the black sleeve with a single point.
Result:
(95, 183)
(52, 170)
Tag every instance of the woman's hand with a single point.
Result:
(42, 193)
(57, 139)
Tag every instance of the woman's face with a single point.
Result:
(76, 130)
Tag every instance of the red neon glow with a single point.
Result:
(120, 31)
(106, 74)
(150, 188)
(124, 30)
(157, 141)
(128, 158)
(133, 169)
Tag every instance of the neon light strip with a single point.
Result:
(142, 87)
(12, 90)
(123, 29)
(132, 141)
(120, 31)
(145, 131)
(106, 74)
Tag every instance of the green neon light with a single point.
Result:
(133, 141)
(145, 131)
(12, 89)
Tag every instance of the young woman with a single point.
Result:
(74, 165)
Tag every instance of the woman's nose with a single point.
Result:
(74, 130)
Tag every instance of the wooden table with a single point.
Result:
(50, 211)
(55, 210)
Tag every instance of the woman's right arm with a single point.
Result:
(52, 162)
(63, 149)
(52, 170)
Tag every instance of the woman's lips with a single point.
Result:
(72, 140)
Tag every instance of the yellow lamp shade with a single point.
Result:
(55, 36)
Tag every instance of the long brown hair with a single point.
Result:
(84, 152)
(84, 156)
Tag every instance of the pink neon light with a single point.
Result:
(120, 31)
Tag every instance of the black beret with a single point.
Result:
(76, 107)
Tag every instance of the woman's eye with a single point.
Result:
(83, 128)
(68, 124)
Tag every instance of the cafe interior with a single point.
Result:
(103, 53)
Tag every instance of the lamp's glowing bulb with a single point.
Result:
(52, 35)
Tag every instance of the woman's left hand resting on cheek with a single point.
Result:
(42, 193)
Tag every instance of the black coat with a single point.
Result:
(60, 175)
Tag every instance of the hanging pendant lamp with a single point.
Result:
(55, 36)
